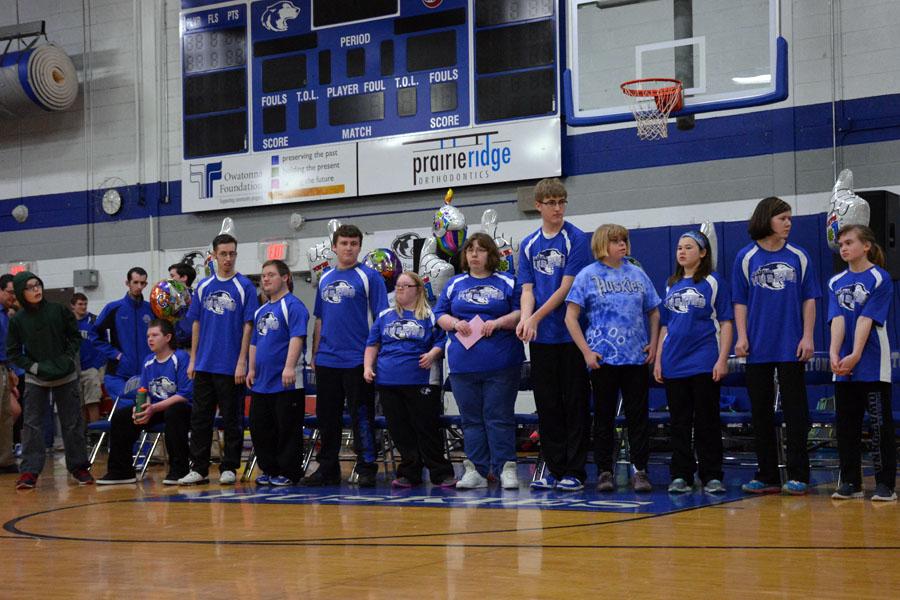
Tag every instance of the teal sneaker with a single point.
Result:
(794, 488)
(714, 486)
(755, 486)
(679, 486)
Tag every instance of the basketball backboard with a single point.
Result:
(727, 53)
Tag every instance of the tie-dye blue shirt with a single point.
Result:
(614, 302)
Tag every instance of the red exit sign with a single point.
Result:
(17, 268)
(276, 251)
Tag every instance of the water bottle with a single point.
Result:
(140, 400)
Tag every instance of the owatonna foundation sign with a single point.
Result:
(490, 154)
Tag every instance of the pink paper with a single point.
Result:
(468, 341)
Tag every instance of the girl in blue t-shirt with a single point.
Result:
(169, 395)
(404, 345)
(693, 356)
(618, 301)
(859, 301)
(278, 400)
(774, 288)
(484, 374)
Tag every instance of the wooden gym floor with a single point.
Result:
(150, 541)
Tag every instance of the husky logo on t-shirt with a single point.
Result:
(147, 319)
(851, 295)
(681, 301)
(773, 276)
(337, 291)
(162, 387)
(219, 302)
(547, 261)
(266, 323)
(481, 294)
(405, 329)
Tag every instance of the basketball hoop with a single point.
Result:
(652, 101)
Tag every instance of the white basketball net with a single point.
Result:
(651, 103)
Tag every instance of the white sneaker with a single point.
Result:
(227, 478)
(509, 480)
(471, 479)
(193, 478)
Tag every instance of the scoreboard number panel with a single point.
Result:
(298, 100)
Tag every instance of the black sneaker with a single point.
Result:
(172, 478)
(884, 494)
(6, 469)
(318, 479)
(366, 479)
(83, 476)
(847, 491)
(113, 479)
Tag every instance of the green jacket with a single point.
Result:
(43, 338)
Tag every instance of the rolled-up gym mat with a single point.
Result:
(41, 78)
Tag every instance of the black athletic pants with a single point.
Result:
(276, 428)
(634, 383)
(333, 385)
(413, 417)
(852, 400)
(212, 390)
(124, 433)
(694, 409)
(761, 388)
(559, 379)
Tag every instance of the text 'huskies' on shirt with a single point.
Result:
(222, 306)
(274, 324)
(167, 378)
(866, 294)
(543, 262)
(614, 303)
(691, 313)
(402, 339)
(773, 286)
(347, 302)
(490, 297)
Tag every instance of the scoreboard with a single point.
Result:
(297, 100)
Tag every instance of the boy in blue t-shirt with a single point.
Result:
(169, 393)
(221, 313)
(549, 260)
(92, 361)
(279, 402)
(348, 298)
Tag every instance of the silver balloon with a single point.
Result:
(227, 226)
(320, 258)
(333, 225)
(434, 271)
(844, 208)
(709, 230)
(489, 220)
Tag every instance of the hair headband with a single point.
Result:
(697, 237)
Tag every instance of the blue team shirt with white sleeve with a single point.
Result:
(489, 297)
(773, 286)
(613, 303)
(274, 324)
(867, 294)
(402, 339)
(543, 262)
(345, 300)
(165, 379)
(222, 307)
(691, 313)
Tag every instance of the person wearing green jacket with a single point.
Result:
(43, 340)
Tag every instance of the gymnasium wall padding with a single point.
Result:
(41, 78)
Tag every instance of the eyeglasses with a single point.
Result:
(33, 287)
(555, 203)
(405, 287)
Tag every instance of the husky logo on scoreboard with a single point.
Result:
(204, 176)
(851, 296)
(277, 15)
(773, 276)
(681, 301)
